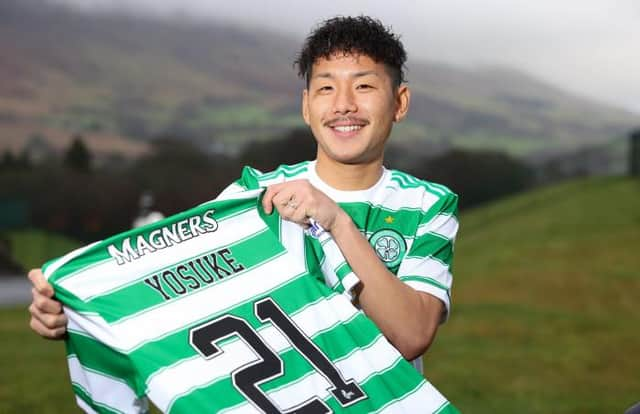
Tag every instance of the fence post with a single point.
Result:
(634, 153)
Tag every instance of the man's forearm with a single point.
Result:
(408, 318)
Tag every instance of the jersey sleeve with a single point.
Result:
(428, 263)
(103, 379)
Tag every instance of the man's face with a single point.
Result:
(350, 105)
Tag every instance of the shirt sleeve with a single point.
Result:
(428, 263)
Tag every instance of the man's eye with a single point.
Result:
(364, 86)
(325, 88)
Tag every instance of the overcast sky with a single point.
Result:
(589, 47)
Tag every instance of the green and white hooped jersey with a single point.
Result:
(410, 223)
(207, 312)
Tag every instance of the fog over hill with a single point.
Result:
(117, 78)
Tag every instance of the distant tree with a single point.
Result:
(8, 161)
(182, 175)
(78, 157)
(297, 145)
(477, 176)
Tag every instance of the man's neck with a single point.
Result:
(348, 177)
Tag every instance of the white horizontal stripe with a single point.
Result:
(426, 266)
(109, 276)
(104, 390)
(445, 225)
(358, 366)
(197, 372)
(426, 399)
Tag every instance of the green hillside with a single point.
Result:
(545, 316)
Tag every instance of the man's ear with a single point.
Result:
(403, 98)
(305, 106)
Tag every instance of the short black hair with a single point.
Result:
(353, 35)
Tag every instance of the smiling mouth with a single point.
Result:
(347, 128)
(346, 125)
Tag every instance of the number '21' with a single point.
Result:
(247, 379)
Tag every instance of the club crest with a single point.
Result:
(389, 246)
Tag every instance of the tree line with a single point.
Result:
(68, 195)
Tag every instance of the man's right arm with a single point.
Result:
(47, 318)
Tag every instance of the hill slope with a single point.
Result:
(545, 315)
(62, 71)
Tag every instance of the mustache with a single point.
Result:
(346, 119)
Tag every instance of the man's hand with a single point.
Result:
(298, 201)
(47, 319)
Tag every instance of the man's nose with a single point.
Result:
(344, 102)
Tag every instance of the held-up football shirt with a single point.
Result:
(207, 312)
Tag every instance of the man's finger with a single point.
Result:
(45, 303)
(48, 320)
(40, 329)
(40, 283)
(267, 198)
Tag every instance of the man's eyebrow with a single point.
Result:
(365, 73)
(329, 75)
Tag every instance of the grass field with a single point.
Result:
(545, 303)
(544, 318)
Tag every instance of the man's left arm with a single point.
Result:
(408, 317)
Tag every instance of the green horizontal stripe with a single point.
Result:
(429, 245)
(374, 218)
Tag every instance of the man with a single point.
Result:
(395, 231)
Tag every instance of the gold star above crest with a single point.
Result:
(389, 219)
